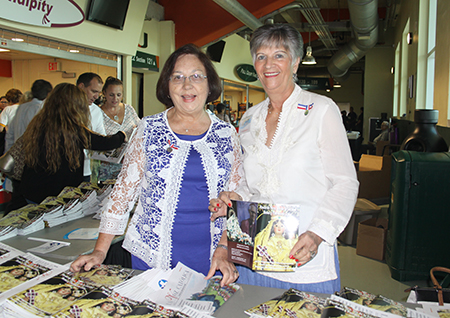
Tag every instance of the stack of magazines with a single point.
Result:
(348, 302)
(89, 198)
(23, 221)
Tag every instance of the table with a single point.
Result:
(245, 298)
(65, 254)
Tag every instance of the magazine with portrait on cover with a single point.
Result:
(261, 235)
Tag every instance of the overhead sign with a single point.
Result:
(145, 61)
(314, 83)
(246, 72)
(46, 13)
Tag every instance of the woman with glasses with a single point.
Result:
(177, 161)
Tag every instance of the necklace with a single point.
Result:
(270, 111)
(115, 116)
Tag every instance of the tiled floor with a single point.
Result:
(371, 275)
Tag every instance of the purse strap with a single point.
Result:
(436, 284)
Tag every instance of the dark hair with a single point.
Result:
(220, 107)
(111, 81)
(3, 97)
(278, 34)
(272, 232)
(13, 95)
(86, 78)
(40, 89)
(162, 88)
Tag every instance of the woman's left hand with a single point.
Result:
(220, 262)
(306, 248)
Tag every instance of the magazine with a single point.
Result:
(292, 303)
(115, 155)
(261, 235)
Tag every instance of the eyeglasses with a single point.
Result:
(194, 78)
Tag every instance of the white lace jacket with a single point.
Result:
(152, 173)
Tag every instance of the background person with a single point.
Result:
(91, 84)
(221, 112)
(54, 141)
(117, 116)
(176, 161)
(3, 103)
(307, 162)
(13, 97)
(26, 111)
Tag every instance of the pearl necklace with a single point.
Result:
(270, 111)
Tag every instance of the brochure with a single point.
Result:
(261, 235)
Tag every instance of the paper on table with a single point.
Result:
(47, 247)
(82, 234)
(182, 283)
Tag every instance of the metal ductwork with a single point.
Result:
(240, 13)
(364, 20)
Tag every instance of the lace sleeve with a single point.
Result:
(126, 190)
(237, 180)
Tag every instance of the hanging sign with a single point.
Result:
(145, 61)
(246, 72)
(46, 13)
(314, 83)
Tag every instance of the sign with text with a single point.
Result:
(145, 61)
(314, 83)
(54, 66)
(46, 13)
(246, 72)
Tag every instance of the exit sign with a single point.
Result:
(54, 66)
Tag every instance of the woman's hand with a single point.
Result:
(87, 261)
(306, 248)
(218, 207)
(220, 262)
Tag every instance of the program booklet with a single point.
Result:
(115, 155)
(261, 235)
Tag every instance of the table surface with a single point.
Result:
(245, 298)
(65, 254)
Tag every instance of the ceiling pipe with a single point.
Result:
(240, 13)
(364, 20)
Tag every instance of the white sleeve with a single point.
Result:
(97, 119)
(337, 207)
(125, 192)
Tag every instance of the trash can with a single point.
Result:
(364, 210)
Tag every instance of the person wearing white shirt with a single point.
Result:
(13, 96)
(26, 111)
(91, 84)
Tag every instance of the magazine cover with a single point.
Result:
(388, 305)
(104, 275)
(265, 308)
(296, 304)
(261, 235)
(19, 270)
(357, 296)
(335, 308)
(216, 294)
(99, 303)
(50, 296)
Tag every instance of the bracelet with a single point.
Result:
(222, 246)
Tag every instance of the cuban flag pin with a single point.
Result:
(306, 108)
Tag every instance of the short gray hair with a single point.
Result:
(278, 34)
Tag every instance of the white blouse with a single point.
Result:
(308, 164)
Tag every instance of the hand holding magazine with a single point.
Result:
(115, 155)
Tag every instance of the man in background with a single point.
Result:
(26, 111)
(91, 84)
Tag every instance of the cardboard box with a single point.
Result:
(371, 241)
(374, 176)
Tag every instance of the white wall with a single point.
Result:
(94, 35)
(236, 51)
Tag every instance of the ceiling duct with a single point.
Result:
(364, 20)
(240, 13)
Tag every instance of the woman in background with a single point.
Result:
(117, 116)
(54, 141)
